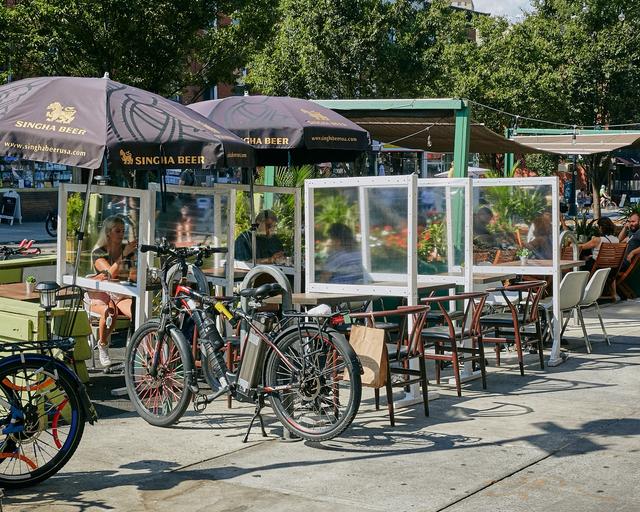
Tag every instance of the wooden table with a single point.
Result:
(316, 298)
(564, 264)
(18, 291)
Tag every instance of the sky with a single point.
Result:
(508, 8)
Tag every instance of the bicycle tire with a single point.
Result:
(325, 403)
(160, 400)
(51, 225)
(52, 424)
(194, 274)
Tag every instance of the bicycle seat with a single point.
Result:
(262, 292)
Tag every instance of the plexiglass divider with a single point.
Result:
(130, 207)
(279, 235)
(358, 232)
(195, 216)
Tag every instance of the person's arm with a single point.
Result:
(632, 254)
(622, 236)
(591, 244)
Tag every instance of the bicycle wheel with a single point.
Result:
(51, 225)
(161, 399)
(326, 388)
(41, 420)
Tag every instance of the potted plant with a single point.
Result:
(523, 253)
(75, 206)
(30, 284)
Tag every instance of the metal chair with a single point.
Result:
(572, 289)
(511, 326)
(592, 293)
(449, 340)
(407, 346)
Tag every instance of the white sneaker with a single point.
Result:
(103, 354)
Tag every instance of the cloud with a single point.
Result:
(508, 8)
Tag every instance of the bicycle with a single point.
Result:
(25, 248)
(308, 371)
(51, 223)
(43, 410)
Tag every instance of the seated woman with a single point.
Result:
(607, 229)
(114, 259)
(542, 242)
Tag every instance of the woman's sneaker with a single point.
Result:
(103, 355)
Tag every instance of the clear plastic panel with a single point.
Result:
(441, 229)
(387, 215)
(510, 222)
(360, 234)
(274, 213)
(110, 218)
(193, 219)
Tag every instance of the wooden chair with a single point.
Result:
(624, 280)
(610, 256)
(406, 347)
(511, 326)
(449, 340)
(504, 256)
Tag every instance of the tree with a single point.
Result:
(157, 46)
(348, 49)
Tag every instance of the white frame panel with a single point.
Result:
(405, 288)
(554, 270)
(145, 227)
(296, 270)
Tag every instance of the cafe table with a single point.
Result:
(18, 291)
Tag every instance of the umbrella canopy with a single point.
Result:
(286, 130)
(80, 121)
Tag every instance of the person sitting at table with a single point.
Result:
(542, 243)
(344, 262)
(114, 259)
(607, 229)
(269, 248)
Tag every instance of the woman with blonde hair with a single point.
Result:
(114, 259)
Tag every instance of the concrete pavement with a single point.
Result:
(562, 439)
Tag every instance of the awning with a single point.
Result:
(435, 136)
(590, 144)
(428, 129)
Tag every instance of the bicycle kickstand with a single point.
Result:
(259, 406)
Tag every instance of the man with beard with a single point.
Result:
(631, 235)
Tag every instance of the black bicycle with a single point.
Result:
(51, 223)
(308, 371)
(43, 409)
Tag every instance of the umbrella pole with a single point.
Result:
(83, 222)
(252, 217)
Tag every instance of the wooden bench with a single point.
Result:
(25, 321)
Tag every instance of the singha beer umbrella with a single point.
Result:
(84, 122)
(286, 131)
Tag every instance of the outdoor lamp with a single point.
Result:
(48, 291)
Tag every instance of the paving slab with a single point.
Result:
(564, 439)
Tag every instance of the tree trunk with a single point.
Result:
(595, 193)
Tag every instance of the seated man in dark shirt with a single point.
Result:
(631, 235)
(269, 247)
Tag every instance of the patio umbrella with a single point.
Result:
(286, 131)
(84, 122)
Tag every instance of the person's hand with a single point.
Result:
(130, 249)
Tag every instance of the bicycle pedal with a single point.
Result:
(201, 401)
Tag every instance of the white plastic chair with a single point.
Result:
(572, 290)
(592, 293)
